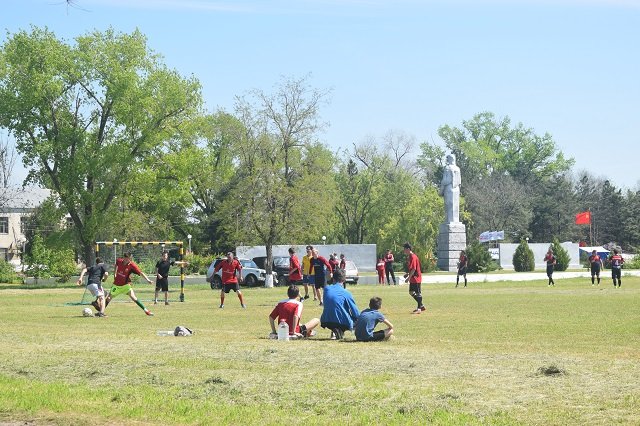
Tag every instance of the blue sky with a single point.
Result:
(567, 67)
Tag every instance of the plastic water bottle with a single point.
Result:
(165, 333)
(283, 330)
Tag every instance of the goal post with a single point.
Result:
(102, 246)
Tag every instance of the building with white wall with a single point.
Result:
(16, 205)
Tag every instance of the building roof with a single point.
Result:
(22, 198)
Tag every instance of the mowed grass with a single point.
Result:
(494, 353)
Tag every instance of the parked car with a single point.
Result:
(280, 266)
(351, 272)
(251, 275)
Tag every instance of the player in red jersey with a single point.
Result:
(414, 275)
(231, 278)
(343, 262)
(616, 267)
(463, 262)
(290, 310)
(122, 281)
(380, 269)
(596, 266)
(295, 272)
(550, 259)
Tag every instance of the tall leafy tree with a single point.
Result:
(282, 186)
(86, 115)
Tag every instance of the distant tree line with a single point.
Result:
(129, 153)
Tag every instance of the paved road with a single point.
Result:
(438, 277)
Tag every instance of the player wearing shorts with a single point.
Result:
(122, 281)
(96, 274)
(290, 310)
(414, 275)
(463, 262)
(550, 259)
(308, 273)
(319, 263)
(162, 277)
(295, 272)
(367, 321)
(231, 278)
(596, 267)
(616, 267)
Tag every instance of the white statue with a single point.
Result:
(450, 190)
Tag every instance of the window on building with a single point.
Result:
(24, 223)
(4, 254)
(4, 225)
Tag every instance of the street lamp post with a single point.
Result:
(324, 240)
(189, 238)
(115, 250)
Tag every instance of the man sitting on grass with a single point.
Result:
(290, 310)
(368, 320)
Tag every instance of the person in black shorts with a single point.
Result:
(368, 320)
(162, 276)
(550, 260)
(463, 262)
(596, 266)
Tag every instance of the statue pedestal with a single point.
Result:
(452, 238)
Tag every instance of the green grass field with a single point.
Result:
(495, 353)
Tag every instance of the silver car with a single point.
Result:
(251, 275)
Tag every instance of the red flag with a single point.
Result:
(583, 218)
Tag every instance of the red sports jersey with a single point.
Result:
(463, 260)
(616, 261)
(334, 263)
(123, 272)
(285, 310)
(343, 264)
(380, 266)
(594, 258)
(550, 259)
(414, 263)
(295, 274)
(229, 271)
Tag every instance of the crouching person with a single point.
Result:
(367, 321)
(290, 310)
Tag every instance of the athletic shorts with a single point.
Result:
(96, 290)
(462, 271)
(549, 270)
(616, 273)
(318, 282)
(376, 337)
(332, 325)
(308, 279)
(231, 286)
(595, 270)
(162, 284)
(117, 290)
(415, 288)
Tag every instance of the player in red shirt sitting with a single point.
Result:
(122, 281)
(231, 278)
(290, 310)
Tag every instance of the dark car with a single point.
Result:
(280, 266)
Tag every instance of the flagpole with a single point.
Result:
(590, 227)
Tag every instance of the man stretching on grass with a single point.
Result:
(290, 310)
(122, 281)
